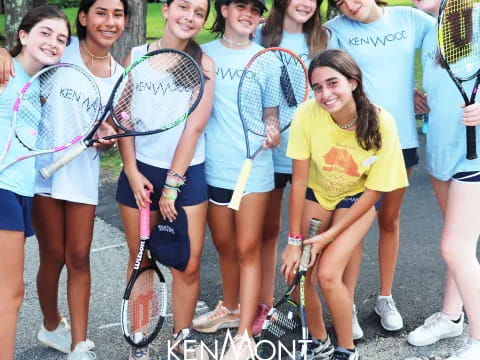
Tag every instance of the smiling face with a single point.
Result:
(300, 11)
(241, 18)
(364, 11)
(332, 90)
(45, 42)
(104, 22)
(185, 18)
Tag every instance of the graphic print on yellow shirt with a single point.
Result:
(339, 167)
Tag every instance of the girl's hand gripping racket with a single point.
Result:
(286, 322)
(54, 109)
(155, 93)
(459, 45)
(144, 304)
(273, 84)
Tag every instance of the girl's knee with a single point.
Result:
(78, 263)
(12, 299)
(328, 280)
(389, 223)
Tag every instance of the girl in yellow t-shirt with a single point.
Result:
(345, 153)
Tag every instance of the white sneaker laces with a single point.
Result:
(388, 306)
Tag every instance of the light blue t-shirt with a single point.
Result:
(224, 137)
(20, 177)
(446, 144)
(298, 44)
(385, 52)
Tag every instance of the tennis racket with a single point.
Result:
(273, 84)
(144, 304)
(38, 122)
(286, 321)
(155, 93)
(459, 45)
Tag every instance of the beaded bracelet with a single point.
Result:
(174, 181)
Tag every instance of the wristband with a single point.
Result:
(169, 194)
(294, 240)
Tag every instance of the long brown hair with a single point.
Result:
(367, 130)
(315, 34)
(33, 17)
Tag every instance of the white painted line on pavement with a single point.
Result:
(108, 247)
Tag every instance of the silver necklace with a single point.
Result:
(347, 126)
(92, 56)
(227, 40)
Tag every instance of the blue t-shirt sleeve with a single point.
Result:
(422, 23)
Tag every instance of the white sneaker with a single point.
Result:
(356, 328)
(219, 318)
(59, 339)
(437, 327)
(139, 353)
(390, 318)
(471, 351)
(82, 351)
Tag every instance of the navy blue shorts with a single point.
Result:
(192, 193)
(281, 180)
(219, 196)
(467, 176)
(15, 212)
(346, 203)
(410, 157)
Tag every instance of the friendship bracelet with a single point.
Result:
(177, 175)
(171, 196)
(174, 181)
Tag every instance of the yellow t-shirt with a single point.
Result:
(339, 167)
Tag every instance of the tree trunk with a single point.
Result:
(14, 12)
(135, 30)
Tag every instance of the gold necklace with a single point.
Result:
(231, 42)
(93, 56)
(348, 126)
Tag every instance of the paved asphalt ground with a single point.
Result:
(417, 291)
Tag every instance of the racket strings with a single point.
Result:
(459, 32)
(284, 326)
(59, 105)
(146, 304)
(157, 93)
(271, 88)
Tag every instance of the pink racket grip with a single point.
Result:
(145, 218)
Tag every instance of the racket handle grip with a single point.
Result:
(312, 231)
(241, 184)
(63, 160)
(471, 143)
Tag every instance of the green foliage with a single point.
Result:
(64, 3)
